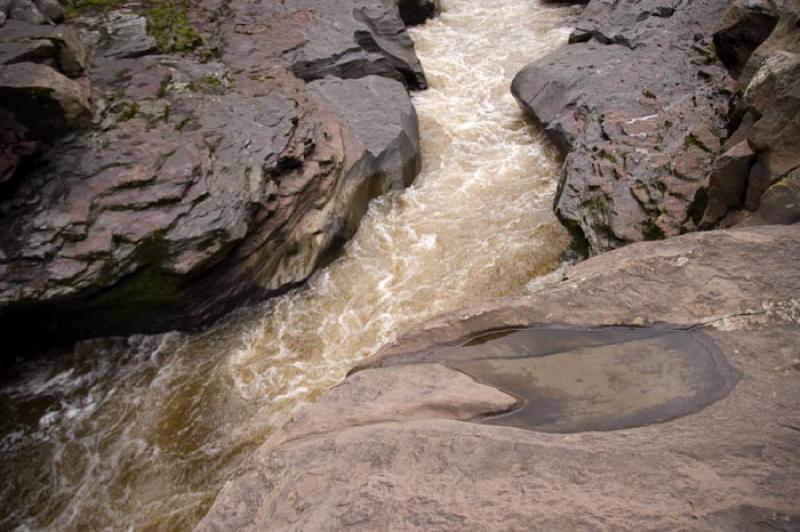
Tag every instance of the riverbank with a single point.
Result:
(146, 429)
(417, 438)
(652, 387)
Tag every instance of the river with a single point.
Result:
(140, 433)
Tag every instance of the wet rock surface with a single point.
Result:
(418, 11)
(376, 462)
(208, 178)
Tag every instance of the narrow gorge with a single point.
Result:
(324, 265)
(144, 430)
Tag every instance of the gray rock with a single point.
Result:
(746, 25)
(70, 56)
(359, 38)
(47, 102)
(780, 204)
(385, 450)
(3, 18)
(765, 114)
(26, 11)
(220, 196)
(784, 37)
(638, 105)
(51, 9)
(34, 51)
(208, 184)
(728, 183)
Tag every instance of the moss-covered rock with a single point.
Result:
(168, 23)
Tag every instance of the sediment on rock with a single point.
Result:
(207, 178)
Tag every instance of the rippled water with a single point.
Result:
(141, 432)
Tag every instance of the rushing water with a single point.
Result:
(141, 432)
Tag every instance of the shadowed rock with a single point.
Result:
(47, 102)
(69, 56)
(746, 25)
(767, 116)
(318, 38)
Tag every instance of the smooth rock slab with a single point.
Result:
(385, 465)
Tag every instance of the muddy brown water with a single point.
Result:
(140, 433)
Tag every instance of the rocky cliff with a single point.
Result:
(163, 162)
(670, 115)
(652, 387)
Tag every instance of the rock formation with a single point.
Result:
(758, 172)
(224, 171)
(653, 125)
(409, 442)
(653, 387)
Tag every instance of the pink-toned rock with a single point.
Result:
(206, 184)
(377, 454)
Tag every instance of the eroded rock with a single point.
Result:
(767, 116)
(780, 204)
(728, 182)
(47, 102)
(51, 9)
(746, 25)
(393, 469)
(638, 104)
(26, 11)
(319, 38)
(205, 184)
(69, 56)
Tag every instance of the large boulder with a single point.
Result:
(319, 38)
(26, 11)
(66, 52)
(206, 184)
(118, 34)
(746, 25)
(44, 92)
(682, 355)
(638, 104)
(47, 102)
(767, 116)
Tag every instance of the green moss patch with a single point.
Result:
(652, 231)
(692, 140)
(169, 25)
(74, 8)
